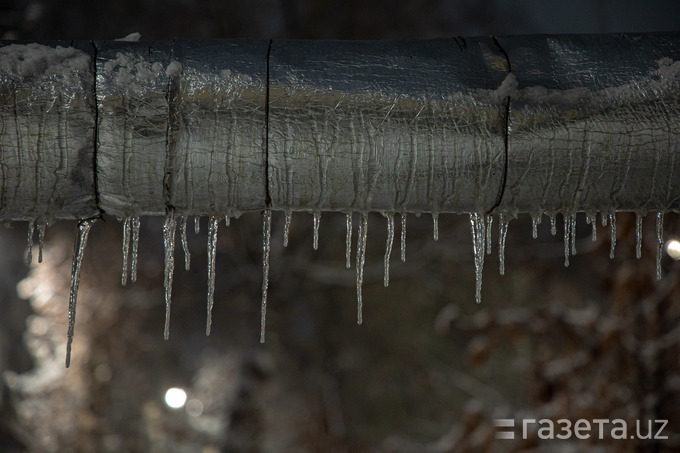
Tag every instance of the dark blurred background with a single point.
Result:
(427, 372)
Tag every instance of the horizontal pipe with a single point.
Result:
(509, 124)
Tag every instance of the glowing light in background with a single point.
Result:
(673, 249)
(175, 397)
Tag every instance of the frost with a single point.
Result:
(78, 252)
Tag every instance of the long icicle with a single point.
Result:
(612, 226)
(361, 260)
(567, 237)
(477, 223)
(503, 223)
(79, 244)
(638, 236)
(388, 247)
(127, 223)
(213, 223)
(136, 223)
(266, 251)
(29, 242)
(403, 237)
(348, 240)
(286, 227)
(185, 243)
(42, 226)
(659, 238)
(317, 222)
(572, 228)
(169, 227)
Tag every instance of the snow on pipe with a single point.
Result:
(536, 124)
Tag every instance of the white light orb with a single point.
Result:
(175, 398)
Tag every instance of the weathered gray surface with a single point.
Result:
(181, 125)
(46, 131)
(386, 126)
(410, 126)
(595, 123)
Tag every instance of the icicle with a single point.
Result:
(286, 227)
(535, 220)
(612, 225)
(266, 249)
(136, 223)
(227, 221)
(212, 247)
(388, 247)
(403, 237)
(317, 221)
(604, 220)
(489, 224)
(197, 224)
(348, 241)
(361, 260)
(502, 234)
(42, 226)
(572, 228)
(567, 237)
(592, 219)
(78, 251)
(169, 247)
(477, 224)
(126, 250)
(553, 225)
(659, 238)
(638, 236)
(435, 226)
(29, 242)
(185, 244)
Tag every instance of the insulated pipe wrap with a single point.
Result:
(181, 126)
(47, 130)
(595, 123)
(519, 124)
(386, 126)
